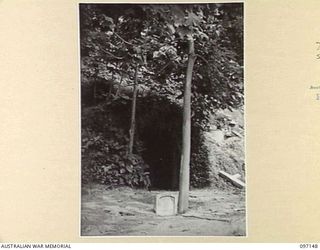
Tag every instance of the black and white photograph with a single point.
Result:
(162, 120)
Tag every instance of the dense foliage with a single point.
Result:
(124, 47)
(104, 150)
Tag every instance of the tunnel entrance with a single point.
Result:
(159, 128)
(162, 155)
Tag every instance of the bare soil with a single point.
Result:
(130, 212)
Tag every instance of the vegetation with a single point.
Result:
(182, 60)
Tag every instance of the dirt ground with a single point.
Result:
(130, 212)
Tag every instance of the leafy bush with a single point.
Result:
(105, 160)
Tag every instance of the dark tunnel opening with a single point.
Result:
(162, 155)
(159, 128)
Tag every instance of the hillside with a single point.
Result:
(161, 114)
(156, 157)
(225, 141)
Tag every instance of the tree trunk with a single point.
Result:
(133, 112)
(184, 180)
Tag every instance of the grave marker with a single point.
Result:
(166, 204)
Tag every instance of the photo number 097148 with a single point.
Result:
(305, 245)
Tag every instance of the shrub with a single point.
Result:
(105, 160)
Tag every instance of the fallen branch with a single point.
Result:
(233, 179)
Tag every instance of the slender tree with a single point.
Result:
(133, 111)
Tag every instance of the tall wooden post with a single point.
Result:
(184, 181)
